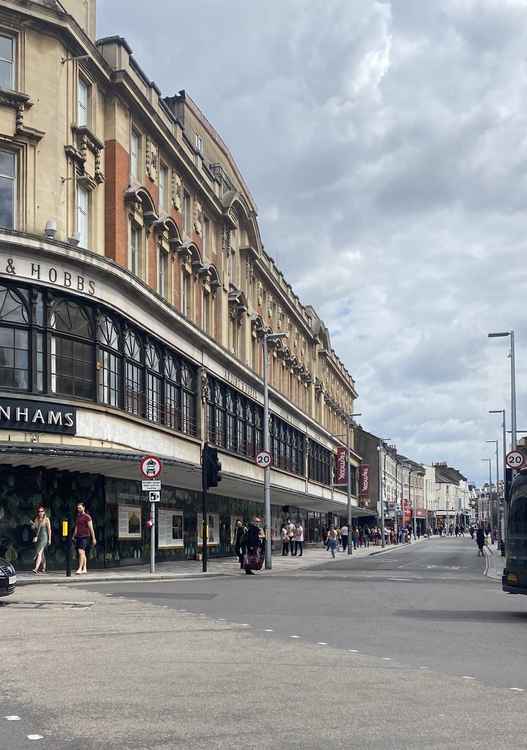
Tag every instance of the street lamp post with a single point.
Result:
(496, 442)
(381, 491)
(503, 532)
(348, 478)
(502, 334)
(489, 460)
(268, 338)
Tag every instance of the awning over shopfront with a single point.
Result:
(125, 465)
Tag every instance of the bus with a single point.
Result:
(514, 580)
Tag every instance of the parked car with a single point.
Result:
(7, 578)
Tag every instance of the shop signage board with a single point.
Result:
(37, 416)
(150, 467)
(364, 480)
(341, 468)
(151, 485)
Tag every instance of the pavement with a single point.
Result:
(412, 648)
(169, 571)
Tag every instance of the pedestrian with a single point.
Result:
(82, 535)
(42, 539)
(291, 535)
(480, 541)
(299, 539)
(332, 540)
(253, 555)
(284, 534)
(239, 541)
(344, 535)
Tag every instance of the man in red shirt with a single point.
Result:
(81, 536)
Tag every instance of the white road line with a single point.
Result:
(268, 630)
(35, 737)
(12, 718)
(386, 658)
(294, 636)
(423, 667)
(353, 651)
(518, 690)
(468, 677)
(322, 643)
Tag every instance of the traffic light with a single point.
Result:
(211, 467)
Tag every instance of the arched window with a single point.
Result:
(231, 421)
(72, 349)
(219, 415)
(241, 439)
(109, 361)
(153, 383)
(172, 392)
(250, 430)
(133, 374)
(14, 339)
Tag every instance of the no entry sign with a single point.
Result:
(150, 467)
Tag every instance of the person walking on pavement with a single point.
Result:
(284, 534)
(239, 541)
(344, 535)
(82, 536)
(253, 547)
(480, 541)
(332, 540)
(291, 535)
(299, 539)
(42, 539)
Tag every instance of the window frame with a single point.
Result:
(83, 84)
(13, 62)
(187, 212)
(135, 156)
(84, 241)
(135, 251)
(163, 192)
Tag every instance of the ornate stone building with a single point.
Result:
(134, 293)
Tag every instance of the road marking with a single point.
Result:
(423, 667)
(244, 625)
(35, 737)
(386, 658)
(12, 718)
(353, 651)
(322, 643)
(518, 690)
(294, 636)
(468, 677)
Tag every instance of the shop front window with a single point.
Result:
(109, 362)
(72, 350)
(133, 374)
(14, 340)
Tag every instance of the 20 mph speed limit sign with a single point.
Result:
(264, 459)
(515, 460)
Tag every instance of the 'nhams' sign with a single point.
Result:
(35, 416)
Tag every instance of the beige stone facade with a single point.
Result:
(113, 192)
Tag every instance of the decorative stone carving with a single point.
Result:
(176, 190)
(151, 159)
(204, 386)
(198, 215)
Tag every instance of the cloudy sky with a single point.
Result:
(385, 146)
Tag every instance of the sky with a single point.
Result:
(385, 145)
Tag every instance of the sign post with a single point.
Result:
(150, 467)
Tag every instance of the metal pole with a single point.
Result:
(490, 486)
(204, 529)
(153, 538)
(267, 470)
(381, 494)
(396, 519)
(414, 505)
(504, 535)
(348, 485)
(513, 394)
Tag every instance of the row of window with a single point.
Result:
(51, 344)
(235, 422)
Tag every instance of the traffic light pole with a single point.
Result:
(204, 517)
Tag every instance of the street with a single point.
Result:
(407, 648)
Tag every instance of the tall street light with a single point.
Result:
(495, 442)
(489, 460)
(380, 450)
(503, 535)
(348, 477)
(502, 334)
(268, 338)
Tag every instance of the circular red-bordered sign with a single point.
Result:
(150, 467)
(264, 459)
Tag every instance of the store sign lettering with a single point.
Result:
(35, 416)
(341, 473)
(49, 274)
(364, 480)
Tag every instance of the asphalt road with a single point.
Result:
(409, 649)
(423, 605)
